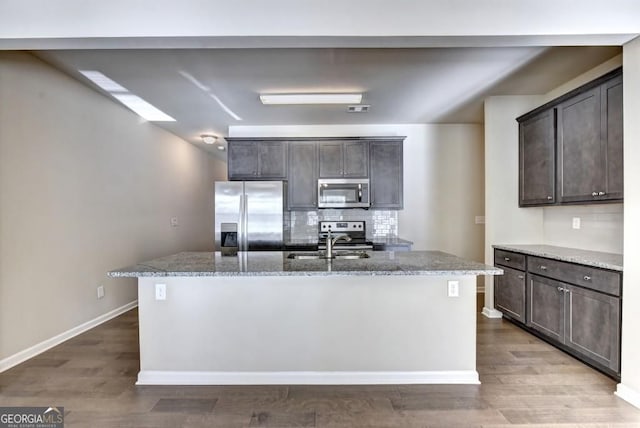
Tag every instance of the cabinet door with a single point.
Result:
(612, 138)
(593, 325)
(538, 160)
(272, 160)
(580, 166)
(509, 293)
(242, 160)
(386, 174)
(546, 306)
(331, 158)
(356, 159)
(302, 176)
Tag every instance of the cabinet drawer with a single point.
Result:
(585, 276)
(509, 259)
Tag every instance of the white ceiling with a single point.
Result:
(402, 85)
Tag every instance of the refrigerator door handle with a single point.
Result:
(241, 223)
(246, 223)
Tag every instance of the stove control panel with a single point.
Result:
(341, 226)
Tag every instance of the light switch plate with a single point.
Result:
(173, 221)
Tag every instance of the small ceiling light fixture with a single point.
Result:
(209, 139)
(268, 99)
(221, 147)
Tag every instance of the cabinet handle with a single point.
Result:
(587, 278)
(507, 259)
(520, 276)
(549, 198)
(542, 267)
(594, 193)
(560, 289)
(601, 193)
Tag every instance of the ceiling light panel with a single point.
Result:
(103, 81)
(143, 108)
(269, 99)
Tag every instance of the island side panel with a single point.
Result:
(266, 329)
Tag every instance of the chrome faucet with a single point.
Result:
(332, 240)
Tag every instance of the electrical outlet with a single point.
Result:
(453, 288)
(161, 291)
(100, 291)
(576, 223)
(173, 221)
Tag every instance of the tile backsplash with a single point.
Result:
(303, 225)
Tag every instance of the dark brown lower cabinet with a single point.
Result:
(546, 307)
(509, 291)
(583, 318)
(592, 325)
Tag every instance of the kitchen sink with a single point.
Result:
(321, 255)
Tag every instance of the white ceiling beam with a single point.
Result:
(323, 23)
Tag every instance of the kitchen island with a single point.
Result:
(263, 318)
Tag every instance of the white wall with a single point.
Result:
(506, 223)
(85, 187)
(601, 227)
(630, 386)
(443, 186)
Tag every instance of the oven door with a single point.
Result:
(343, 193)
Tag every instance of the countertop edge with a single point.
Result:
(130, 274)
(549, 254)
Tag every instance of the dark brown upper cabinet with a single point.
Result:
(343, 159)
(256, 160)
(571, 149)
(538, 160)
(302, 189)
(386, 182)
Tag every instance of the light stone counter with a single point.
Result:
(276, 263)
(573, 255)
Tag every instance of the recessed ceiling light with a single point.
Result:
(209, 139)
(143, 108)
(311, 98)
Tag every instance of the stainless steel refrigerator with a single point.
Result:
(256, 208)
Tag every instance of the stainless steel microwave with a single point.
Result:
(343, 193)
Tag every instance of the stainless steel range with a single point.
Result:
(356, 230)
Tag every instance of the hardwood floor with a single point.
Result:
(525, 382)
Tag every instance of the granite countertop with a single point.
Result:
(276, 263)
(610, 261)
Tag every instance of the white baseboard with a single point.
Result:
(491, 313)
(22, 356)
(151, 377)
(628, 394)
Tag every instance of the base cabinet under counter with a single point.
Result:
(573, 306)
